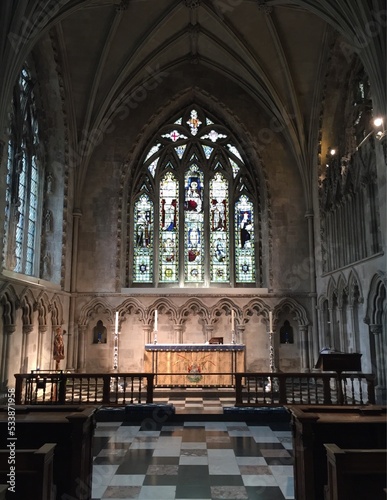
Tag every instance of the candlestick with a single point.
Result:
(116, 324)
(270, 321)
(156, 317)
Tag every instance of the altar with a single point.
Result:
(195, 365)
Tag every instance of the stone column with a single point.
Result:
(209, 330)
(147, 329)
(312, 282)
(8, 331)
(240, 330)
(340, 314)
(81, 349)
(27, 329)
(331, 337)
(41, 331)
(178, 331)
(304, 348)
(71, 345)
(351, 331)
(377, 331)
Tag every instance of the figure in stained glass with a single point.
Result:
(168, 215)
(143, 229)
(245, 227)
(220, 253)
(169, 250)
(193, 244)
(218, 215)
(193, 196)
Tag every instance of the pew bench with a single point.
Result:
(33, 476)
(355, 474)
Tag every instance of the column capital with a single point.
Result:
(9, 329)
(376, 329)
(27, 329)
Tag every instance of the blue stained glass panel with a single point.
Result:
(169, 226)
(244, 240)
(219, 236)
(143, 240)
(194, 225)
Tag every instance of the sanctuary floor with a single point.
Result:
(192, 459)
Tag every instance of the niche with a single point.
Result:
(286, 333)
(99, 333)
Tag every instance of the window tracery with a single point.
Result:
(206, 214)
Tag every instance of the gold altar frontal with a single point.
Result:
(195, 365)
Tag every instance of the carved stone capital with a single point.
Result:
(27, 329)
(192, 4)
(376, 329)
(9, 329)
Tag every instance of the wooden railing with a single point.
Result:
(73, 388)
(277, 389)
(251, 389)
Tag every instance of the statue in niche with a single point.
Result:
(286, 333)
(48, 221)
(50, 181)
(47, 266)
(99, 333)
(58, 347)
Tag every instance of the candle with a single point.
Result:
(232, 320)
(116, 325)
(270, 321)
(156, 316)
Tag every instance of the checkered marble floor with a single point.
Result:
(206, 405)
(202, 460)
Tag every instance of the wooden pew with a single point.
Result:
(71, 427)
(350, 427)
(33, 473)
(355, 474)
(3, 491)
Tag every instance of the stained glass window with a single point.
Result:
(196, 183)
(143, 245)
(23, 180)
(244, 240)
(219, 235)
(169, 226)
(193, 225)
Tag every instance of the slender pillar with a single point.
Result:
(380, 353)
(340, 313)
(304, 348)
(41, 331)
(81, 344)
(8, 331)
(351, 330)
(209, 332)
(147, 329)
(71, 347)
(178, 331)
(27, 329)
(312, 283)
(240, 330)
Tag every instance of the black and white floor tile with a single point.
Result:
(193, 460)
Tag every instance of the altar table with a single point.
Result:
(194, 364)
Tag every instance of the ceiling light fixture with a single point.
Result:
(378, 123)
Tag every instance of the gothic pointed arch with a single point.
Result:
(133, 306)
(377, 303)
(193, 306)
(291, 306)
(93, 308)
(196, 193)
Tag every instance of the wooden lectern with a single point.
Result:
(334, 361)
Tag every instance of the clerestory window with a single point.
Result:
(194, 211)
(23, 179)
